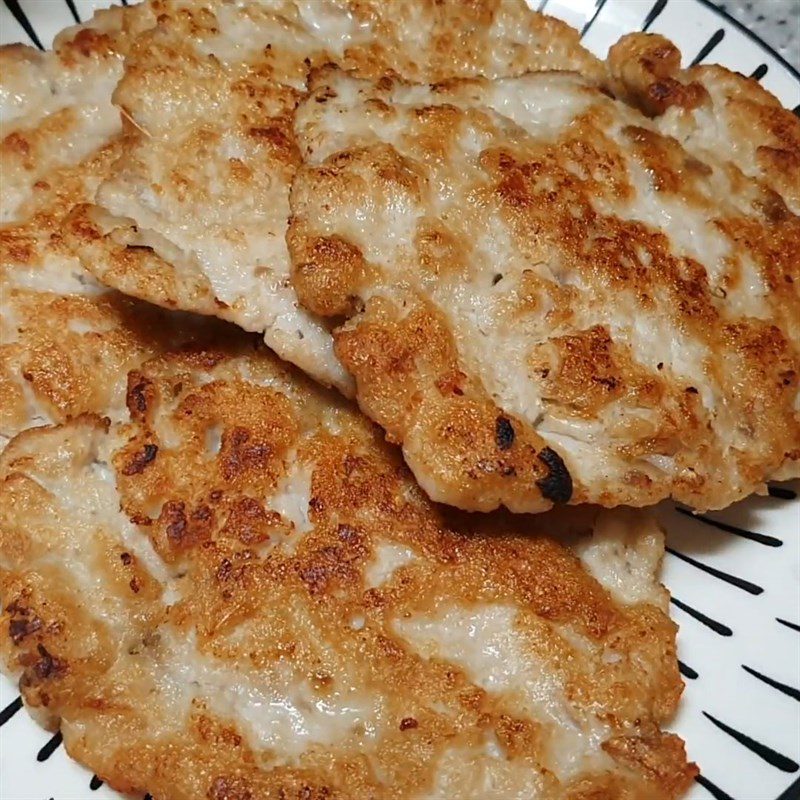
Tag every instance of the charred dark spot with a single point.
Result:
(331, 565)
(141, 460)
(18, 629)
(240, 454)
(503, 433)
(691, 390)
(135, 585)
(557, 484)
(660, 366)
(176, 521)
(496, 279)
(141, 519)
(408, 723)
(316, 578)
(224, 570)
(48, 666)
(202, 514)
(139, 395)
(250, 522)
(607, 382)
(316, 504)
(126, 559)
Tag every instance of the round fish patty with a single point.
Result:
(66, 342)
(543, 297)
(241, 593)
(195, 214)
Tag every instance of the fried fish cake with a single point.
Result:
(249, 597)
(711, 110)
(546, 299)
(195, 215)
(66, 342)
(55, 106)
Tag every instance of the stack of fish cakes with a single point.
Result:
(545, 277)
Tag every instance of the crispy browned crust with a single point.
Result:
(129, 552)
(528, 318)
(56, 106)
(66, 343)
(711, 108)
(179, 191)
(108, 614)
(494, 38)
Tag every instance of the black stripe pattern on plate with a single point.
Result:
(708, 47)
(789, 691)
(687, 671)
(781, 492)
(10, 710)
(759, 72)
(772, 757)
(788, 624)
(598, 7)
(760, 43)
(52, 745)
(793, 792)
(717, 627)
(19, 15)
(753, 536)
(95, 783)
(653, 14)
(72, 10)
(733, 580)
(712, 789)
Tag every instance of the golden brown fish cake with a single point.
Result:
(711, 110)
(66, 342)
(195, 216)
(546, 299)
(55, 106)
(250, 597)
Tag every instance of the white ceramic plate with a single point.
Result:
(734, 575)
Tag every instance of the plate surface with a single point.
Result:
(734, 575)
